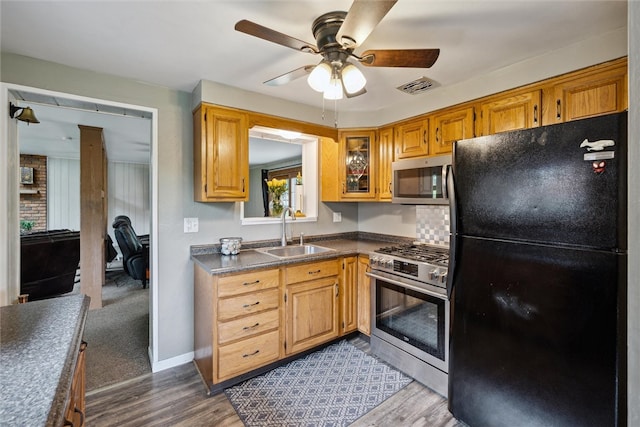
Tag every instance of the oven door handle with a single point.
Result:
(406, 285)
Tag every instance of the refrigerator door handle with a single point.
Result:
(445, 185)
(453, 225)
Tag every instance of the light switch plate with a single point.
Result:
(337, 217)
(191, 225)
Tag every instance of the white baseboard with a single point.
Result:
(170, 363)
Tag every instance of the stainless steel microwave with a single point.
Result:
(421, 181)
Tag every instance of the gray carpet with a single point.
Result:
(118, 333)
(330, 387)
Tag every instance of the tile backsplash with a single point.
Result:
(432, 224)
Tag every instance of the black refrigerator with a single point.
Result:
(537, 276)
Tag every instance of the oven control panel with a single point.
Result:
(424, 272)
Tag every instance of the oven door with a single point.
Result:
(411, 317)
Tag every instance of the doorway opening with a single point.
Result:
(141, 151)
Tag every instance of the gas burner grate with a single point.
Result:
(423, 253)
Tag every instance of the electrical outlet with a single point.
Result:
(191, 225)
(337, 217)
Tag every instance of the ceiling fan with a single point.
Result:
(337, 34)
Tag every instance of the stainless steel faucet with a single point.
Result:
(292, 214)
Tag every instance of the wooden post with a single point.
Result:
(93, 216)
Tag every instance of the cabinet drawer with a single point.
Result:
(248, 326)
(249, 282)
(316, 270)
(228, 308)
(243, 356)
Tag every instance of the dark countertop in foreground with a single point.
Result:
(210, 259)
(39, 344)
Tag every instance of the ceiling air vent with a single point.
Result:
(417, 86)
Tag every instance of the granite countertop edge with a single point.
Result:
(210, 259)
(40, 341)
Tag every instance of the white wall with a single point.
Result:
(63, 194)
(129, 194)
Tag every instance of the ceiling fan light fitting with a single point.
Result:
(333, 90)
(352, 78)
(320, 77)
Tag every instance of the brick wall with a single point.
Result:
(33, 207)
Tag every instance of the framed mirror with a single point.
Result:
(291, 159)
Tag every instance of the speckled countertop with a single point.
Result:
(209, 257)
(39, 343)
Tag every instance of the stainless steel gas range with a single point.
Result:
(410, 311)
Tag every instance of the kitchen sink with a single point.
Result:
(294, 251)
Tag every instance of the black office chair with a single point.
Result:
(135, 255)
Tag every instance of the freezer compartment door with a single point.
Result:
(536, 186)
(536, 336)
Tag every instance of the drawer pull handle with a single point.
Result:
(246, 328)
(250, 305)
(252, 354)
(315, 272)
(251, 283)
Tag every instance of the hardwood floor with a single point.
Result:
(177, 397)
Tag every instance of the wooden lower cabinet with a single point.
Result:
(312, 304)
(244, 322)
(349, 295)
(75, 411)
(237, 322)
(364, 296)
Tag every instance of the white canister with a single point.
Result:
(230, 245)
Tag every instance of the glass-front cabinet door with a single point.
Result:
(358, 166)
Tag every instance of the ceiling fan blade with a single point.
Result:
(412, 58)
(290, 76)
(362, 18)
(268, 34)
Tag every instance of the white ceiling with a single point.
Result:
(178, 43)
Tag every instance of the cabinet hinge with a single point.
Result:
(343, 265)
(285, 345)
(342, 325)
(205, 188)
(285, 297)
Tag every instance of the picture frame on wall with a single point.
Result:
(26, 175)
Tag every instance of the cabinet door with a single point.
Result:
(515, 112)
(221, 155)
(358, 165)
(593, 94)
(364, 296)
(412, 139)
(349, 295)
(311, 313)
(385, 158)
(450, 126)
(329, 178)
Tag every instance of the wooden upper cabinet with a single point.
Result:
(449, 126)
(385, 158)
(221, 154)
(594, 92)
(357, 168)
(412, 139)
(514, 112)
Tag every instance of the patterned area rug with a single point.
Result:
(331, 387)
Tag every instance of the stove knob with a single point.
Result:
(373, 261)
(389, 263)
(433, 274)
(443, 278)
